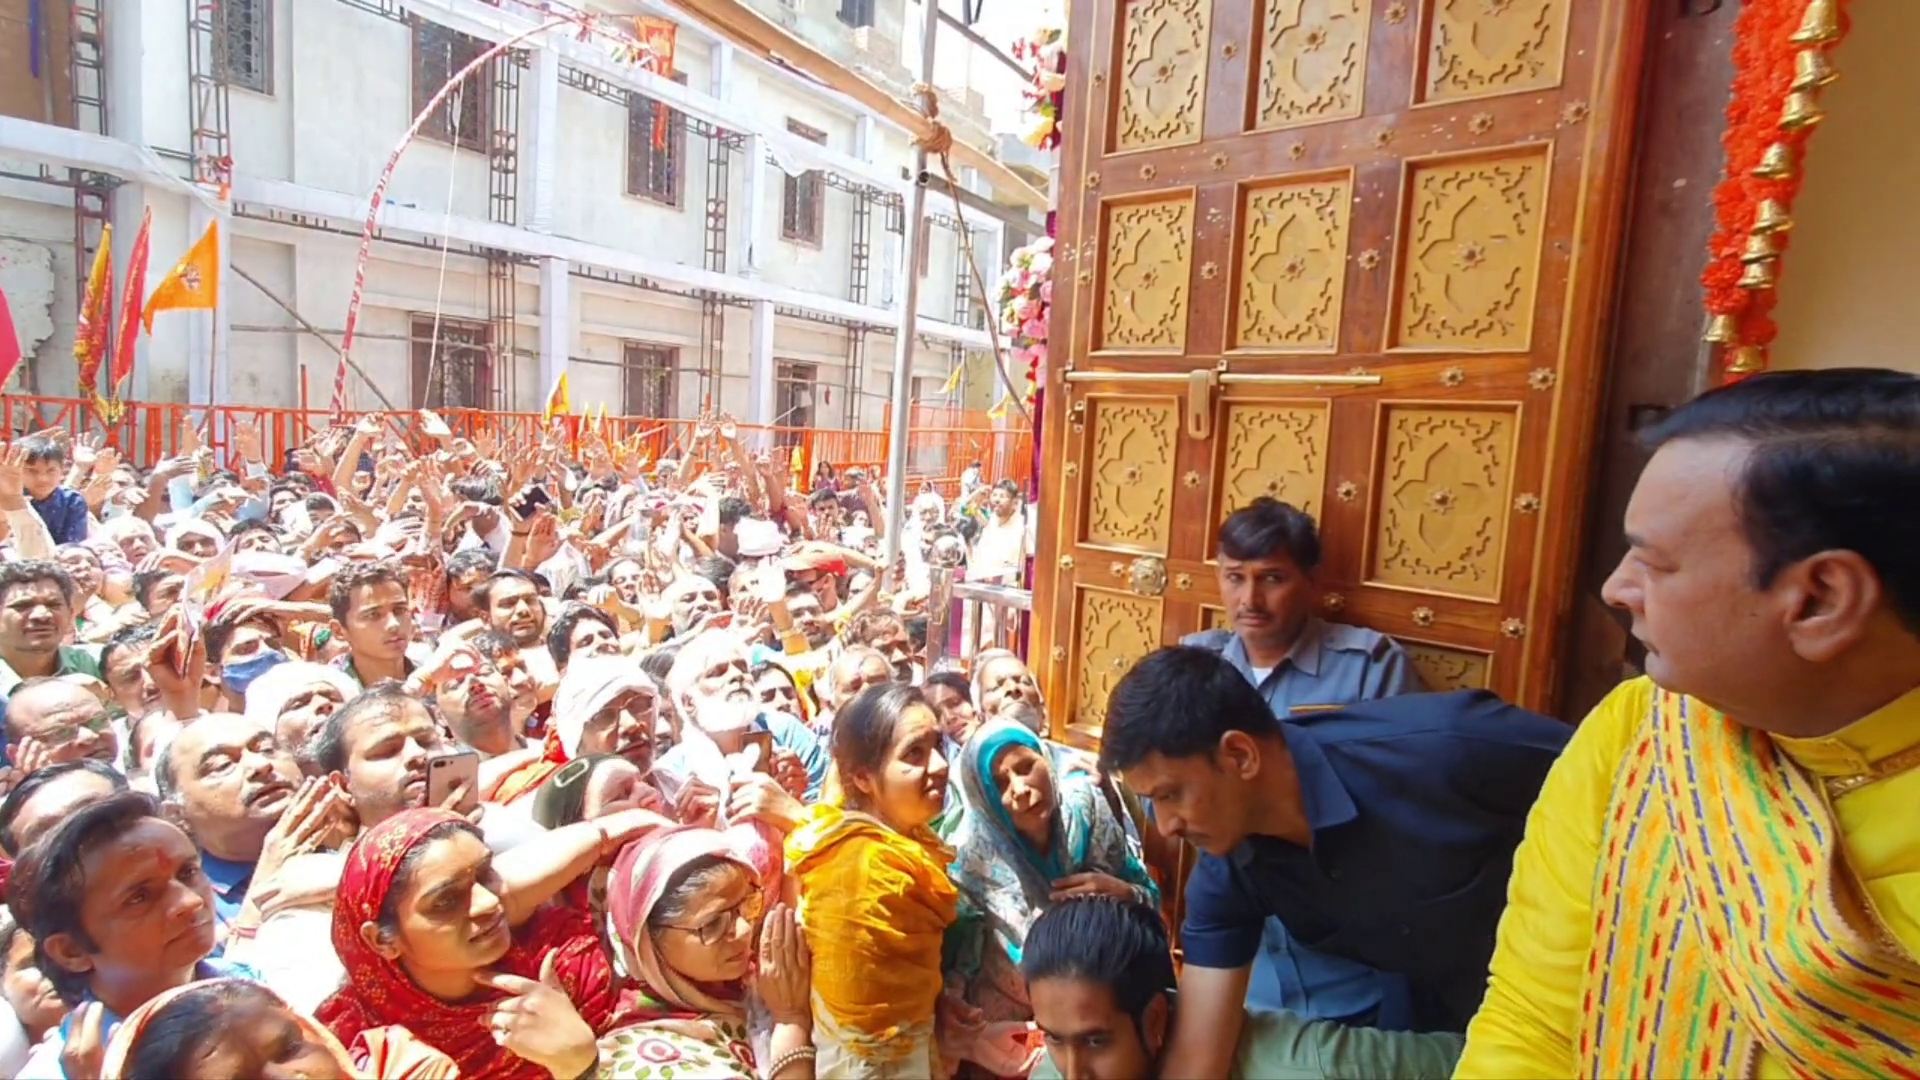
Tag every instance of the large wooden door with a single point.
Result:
(1356, 254)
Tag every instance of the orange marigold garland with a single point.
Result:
(1779, 59)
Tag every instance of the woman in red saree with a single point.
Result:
(422, 923)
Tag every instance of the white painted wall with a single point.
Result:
(340, 100)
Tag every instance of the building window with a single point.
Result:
(793, 386)
(243, 44)
(803, 199)
(656, 171)
(438, 55)
(856, 13)
(452, 364)
(649, 377)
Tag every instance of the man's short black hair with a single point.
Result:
(473, 489)
(138, 636)
(732, 509)
(32, 572)
(1266, 528)
(1834, 466)
(1010, 487)
(1177, 702)
(359, 576)
(242, 528)
(328, 749)
(469, 560)
(717, 569)
(41, 448)
(1118, 944)
(560, 634)
(821, 498)
(30, 786)
(483, 592)
(145, 581)
(48, 887)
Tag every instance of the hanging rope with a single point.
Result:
(446, 233)
(938, 142)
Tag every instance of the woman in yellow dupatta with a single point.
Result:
(874, 894)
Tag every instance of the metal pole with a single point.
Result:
(909, 293)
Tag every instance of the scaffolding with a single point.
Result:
(87, 85)
(713, 307)
(503, 207)
(208, 76)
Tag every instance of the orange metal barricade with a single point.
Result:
(941, 442)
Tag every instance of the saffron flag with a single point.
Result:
(953, 380)
(96, 311)
(135, 291)
(9, 342)
(557, 402)
(657, 41)
(194, 282)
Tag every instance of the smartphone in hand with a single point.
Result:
(447, 771)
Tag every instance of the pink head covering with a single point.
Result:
(640, 878)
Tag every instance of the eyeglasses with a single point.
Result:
(715, 929)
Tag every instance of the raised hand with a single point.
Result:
(246, 440)
(783, 971)
(13, 477)
(538, 1022)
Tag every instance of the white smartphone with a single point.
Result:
(448, 770)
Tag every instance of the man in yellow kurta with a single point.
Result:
(1722, 874)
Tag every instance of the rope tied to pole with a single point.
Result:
(938, 142)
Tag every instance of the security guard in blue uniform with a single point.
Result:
(1268, 552)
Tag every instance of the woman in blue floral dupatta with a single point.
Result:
(1030, 835)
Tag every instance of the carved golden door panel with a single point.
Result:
(1354, 254)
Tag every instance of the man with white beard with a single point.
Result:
(711, 684)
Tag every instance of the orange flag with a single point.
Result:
(194, 282)
(96, 311)
(136, 288)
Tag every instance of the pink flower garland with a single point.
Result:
(1024, 304)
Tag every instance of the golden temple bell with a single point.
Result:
(1746, 360)
(1757, 275)
(1771, 217)
(1722, 329)
(1800, 111)
(1776, 163)
(1761, 246)
(1820, 25)
(1811, 70)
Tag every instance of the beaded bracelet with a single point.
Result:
(802, 1053)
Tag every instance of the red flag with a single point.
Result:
(9, 342)
(96, 312)
(132, 301)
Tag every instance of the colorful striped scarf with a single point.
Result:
(1727, 923)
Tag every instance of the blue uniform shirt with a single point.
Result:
(1332, 664)
(230, 882)
(1416, 804)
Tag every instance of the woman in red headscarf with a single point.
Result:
(432, 941)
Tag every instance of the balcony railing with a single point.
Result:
(964, 618)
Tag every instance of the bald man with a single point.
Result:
(54, 720)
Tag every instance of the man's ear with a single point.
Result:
(1239, 755)
(64, 949)
(1153, 1025)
